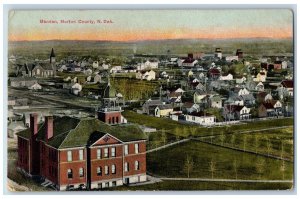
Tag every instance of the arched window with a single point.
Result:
(136, 165)
(113, 169)
(99, 171)
(81, 172)
(70, 173)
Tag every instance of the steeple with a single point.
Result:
(52, 56)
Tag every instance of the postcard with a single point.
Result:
(150, 100)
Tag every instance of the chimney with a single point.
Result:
(34, 123)
(49, 127)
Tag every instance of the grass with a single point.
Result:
(202, 186)
(170, 162)
(278, 142)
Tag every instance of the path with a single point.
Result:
(226, 180)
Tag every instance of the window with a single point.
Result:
(69, 156)
(136, 148)
(113, 169)
(70, 173)
(106, 170)
(98, 153)
(113, 152)
(80, 154)
(136, 165)
(99, 171)
(126, 149)
(106, 152)
(81, 173)
(114, 183)
(126, 167)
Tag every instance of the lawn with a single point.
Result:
(202, 186)
(278, 142)
(228, 163)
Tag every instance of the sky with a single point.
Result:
(133, 25)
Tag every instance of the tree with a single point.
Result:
(235, 167)
(232, 139)
(163, 136)
(222, 138)
(245, 141)
(256, 143)
(188, 165)
(260, 166)
(269, 146)
(212, 168)
(283, 168)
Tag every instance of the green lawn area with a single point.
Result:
(228, 163)
(185, 130)
(202, 186)
(278, 142)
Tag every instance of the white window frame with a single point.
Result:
(136, 148)
(81, 172)
(98, 153)
(113, 152)
(70, 156)
(126, 149)
(137, 165)
(106, 170)
(81, 154)
(113, 169)
(99, 171)
(126, 166)
(106, 152)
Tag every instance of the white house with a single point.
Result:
(260, 87)
(147, 75)
(227, 77)
(115, 69)
(35, 86)
(97, 78)
(163, 110)
(261, 76)
(231, 58)
(180, 61)
(95, 64)
(147, 65)
(242, 91)
(76, 88)
(200, 118)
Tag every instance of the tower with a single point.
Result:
(109, 112)
(52, 62)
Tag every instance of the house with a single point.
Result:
(214, 73)
(261, 76)
(227, 77)
(240, 80)
(97, 78)
(163, 110)
(147, 65)
(264, 97)
(241, 91)
(239, 53)
(190, 73)
(200, 118)
(235, 100)
(95, 64)
(43, 70)
(14, 127)
(272, 108)
(200, 97)
(116, 69)
(71, 153)
(218, 53)
(231, 58)
(88, 71)
(63, 68)
(35, 86)
(76, 88)
(189, 62)
(147, 75)
(278, 65)
(260, 86)
(235, 112)
(215, 101)
(288, 85)
(21, 82)
(189, 107)
(248, 99)
(149, 106)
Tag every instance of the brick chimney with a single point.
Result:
(49, 127)
(34, 123)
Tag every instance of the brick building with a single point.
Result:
(77, 153)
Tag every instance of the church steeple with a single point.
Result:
(52, 56)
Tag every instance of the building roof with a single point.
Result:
(165, 106)
(268, 105)
(213, 71)
(72, 132)
(234, 108)
(287, 83)
(200, 114)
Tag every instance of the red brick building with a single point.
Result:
(72, 153)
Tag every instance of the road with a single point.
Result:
(226, 180)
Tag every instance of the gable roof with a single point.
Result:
(165, 106)
(287, 83)
(72, 132)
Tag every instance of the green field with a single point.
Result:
(278, 142)
(202, 186)
(229, 164)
